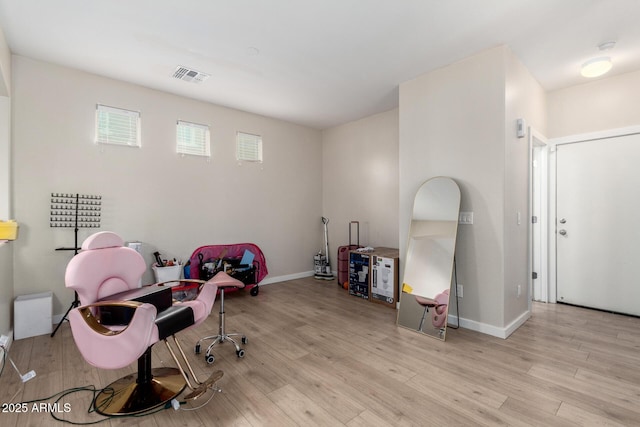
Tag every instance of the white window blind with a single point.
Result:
(117, 126)
(193, 139)
(248, 147)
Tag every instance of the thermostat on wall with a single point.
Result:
(520, 128)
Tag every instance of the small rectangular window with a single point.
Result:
(248, 147)
(193, 139)
(117, 126)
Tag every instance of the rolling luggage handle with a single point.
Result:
(343, 255)
(357, 223)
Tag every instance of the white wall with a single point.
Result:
(524, 98)
(6, 250)
(172, 204)
(603, 104)
(5, 66)
(454, 122)
(360, 181)
(457, 121)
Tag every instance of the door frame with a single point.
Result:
(538, 238)
(553, 173)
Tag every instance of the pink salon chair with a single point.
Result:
(437, 307)
(118, 322)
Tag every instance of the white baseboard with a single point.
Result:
(490, 329)
(286, 277)
(511, 328)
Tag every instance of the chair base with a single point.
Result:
(127, 397)
(219, 339)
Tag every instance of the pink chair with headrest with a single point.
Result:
(104, 267)
(119, 321)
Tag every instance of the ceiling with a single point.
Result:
(316, 63)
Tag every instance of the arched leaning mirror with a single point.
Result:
(424, 301)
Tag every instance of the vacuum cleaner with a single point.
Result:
(321, 261)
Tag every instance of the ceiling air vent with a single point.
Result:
(189, 75)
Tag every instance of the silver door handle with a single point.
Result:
(563, 232)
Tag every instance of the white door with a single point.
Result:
(598, 223)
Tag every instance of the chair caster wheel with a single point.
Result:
(210, 358)
(244, 340)
(240, 353)
(254, 291)
(197, 349)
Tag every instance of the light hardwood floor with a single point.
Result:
(317, 356)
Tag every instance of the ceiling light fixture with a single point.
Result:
(596, 67)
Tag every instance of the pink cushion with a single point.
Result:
(130, 342)
(223, 280)
(425, 302)
(98, 273)
(203, 304)
(102, 239)
(104, 267)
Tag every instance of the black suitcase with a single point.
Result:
(343, 256)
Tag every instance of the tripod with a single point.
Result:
(74, 210)
(76, 302)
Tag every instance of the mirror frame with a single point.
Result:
(433, 231)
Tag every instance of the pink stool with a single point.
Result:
(222, 280)
(437, 307)
(427, 303)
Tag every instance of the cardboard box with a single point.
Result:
(385, 277)
(359, 269)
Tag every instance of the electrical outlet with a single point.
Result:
(29, 375)
(519, 290)
(4, 341)
(459, 290)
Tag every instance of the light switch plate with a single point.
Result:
(465, 218)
